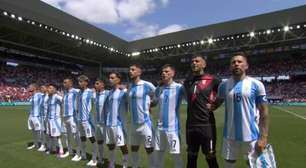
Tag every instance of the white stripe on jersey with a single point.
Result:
(54, 106)
(116, 106)
(36, 104)
(139, 101)
(70, 102)
(241, 100)
(85, 104)
(100, 99)
(169, 102)
(45, 105)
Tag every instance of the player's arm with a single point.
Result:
(261, 103)
(154, 99)
(220, 90)
(263, 125)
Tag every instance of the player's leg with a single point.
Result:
(209, 145)
(135, 142)
(230, 152)
(83, 140)
(160, 145)
(77, 137)
(121, 142)
(111, 144)
(249, 152)
(149, 144)
(91, 136)
(56, 130)
(193, 147)
(174, 147)
(43, 135)
(35, 132)
(100, 134)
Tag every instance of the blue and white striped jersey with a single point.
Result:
(44, 105)
(85, 101)
(139, 101)
(36, 104)
(70, 102)
(54, 106)
(241, 99)
(100, 99)
(169, 98)
(116, 108)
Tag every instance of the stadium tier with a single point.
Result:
(47, 49)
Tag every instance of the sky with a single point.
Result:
(138, 19)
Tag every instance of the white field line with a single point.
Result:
(290, 112)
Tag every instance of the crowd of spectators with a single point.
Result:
(15, 80)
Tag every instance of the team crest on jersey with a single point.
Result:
(203, 82)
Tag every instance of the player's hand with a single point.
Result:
(261, 144)
(211, 107)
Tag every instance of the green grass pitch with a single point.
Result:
(287, 135)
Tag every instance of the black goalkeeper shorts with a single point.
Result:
(201, 136)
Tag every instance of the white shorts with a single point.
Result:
(232, 150)
(167, 139)
(69, 125)
(115, 135)
(142, 133)
(34, 123)
(44, 123)
(86, 129)
(100, 132)
(54, 127)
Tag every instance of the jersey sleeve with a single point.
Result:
(59, 98)
(221, 90)
(261, 93)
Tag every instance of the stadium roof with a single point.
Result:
(44, 13)
(263, 21)
(41, 12)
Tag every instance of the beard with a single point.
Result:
(237, 72)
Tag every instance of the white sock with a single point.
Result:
(151, 159)
(94, 151)
(43, 138)
(135, 159)
(60, 145)
(229, 164)
(77, 141)
(69, 145)
(35, 137)
(125, 158)
(112, 157)
(160, 159)
(49, 143)
(178, 161)
(65, 140)
(100, 146)
(83, 149)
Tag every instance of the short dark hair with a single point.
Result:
(168, 66)
(240, 53)
(35, 85)
(70, 79)
(195, 55)
(118, 75)
(100, 80)
(137, 66)
(53, 85)
(83, 78)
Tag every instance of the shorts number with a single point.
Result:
(149, 139)
(119, 138)
(173, 143)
